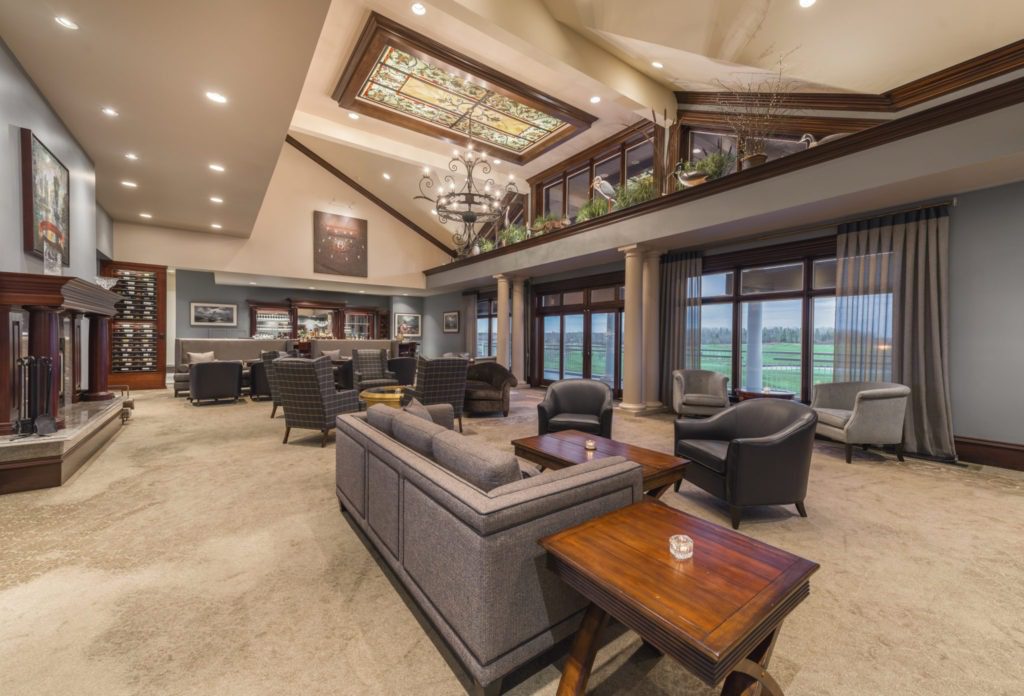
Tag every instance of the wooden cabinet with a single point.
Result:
(271, 320)
(138, 343)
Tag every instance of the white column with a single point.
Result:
(652, 307)
(502, 352)
(632, 337)
(518, 329)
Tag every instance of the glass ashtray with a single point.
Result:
(680, 546)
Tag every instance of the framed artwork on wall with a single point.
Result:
(450, 322)
(339, 245)
(408, 325)
(213, 314)
(45, 192)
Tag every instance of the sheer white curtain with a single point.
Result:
(680, 316)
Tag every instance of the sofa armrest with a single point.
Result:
(442, 414)
(772, 469)
(720, 426)
(878, 416)
(545, 411)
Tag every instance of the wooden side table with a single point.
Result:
(717, 613)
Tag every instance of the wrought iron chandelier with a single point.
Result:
(473, 204)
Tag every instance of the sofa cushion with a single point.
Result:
(475, 389)
(194, 358)
(836, 417)
(419, 410)
(708, 453)
(334, 355)
(703, 400)
(416, 433)
(474, 461)
(580, 421)
(382, 418)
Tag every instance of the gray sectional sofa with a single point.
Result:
(241, 349)
(457, 521)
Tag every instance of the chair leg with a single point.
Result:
(735, 512)
(273, 411)
(899, 452)
(864, 447)
(286, 431)
(460, 423)
(849, 454)
(323, 439)
(800, 508)
(678, 483)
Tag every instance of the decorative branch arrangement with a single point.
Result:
(753, 111)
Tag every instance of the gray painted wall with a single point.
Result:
(199, 286)
(986, 313)
(22, 106)
(104, 233)
(435, 341)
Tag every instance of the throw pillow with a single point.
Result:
(194, 358)
(419, 410)
(334, 355)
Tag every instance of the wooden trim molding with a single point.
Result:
(962, 109)
(987, 66)
(1005, 455)
(365, 192)
(788, 125)
(381, 32)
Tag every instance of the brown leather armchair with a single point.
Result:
(756, 453)
(488, 388)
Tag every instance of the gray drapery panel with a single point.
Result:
(680, 316)
(892, 316)
(468, 322)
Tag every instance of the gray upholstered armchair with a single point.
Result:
(699, 392)
(488, 388)
(576, 404)
(441, 381)
(308, 395)
(370, 369)
(862, 413)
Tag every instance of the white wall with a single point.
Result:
(22, 106)
(281, 243)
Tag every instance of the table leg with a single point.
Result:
(578, 664)
(656, 492)
(750, 677)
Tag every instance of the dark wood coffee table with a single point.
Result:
(565, 448)
(717, 613)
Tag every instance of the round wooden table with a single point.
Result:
(389, 396)
(744, 394)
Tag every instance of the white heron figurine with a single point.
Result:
(605, 189)
(810, 141)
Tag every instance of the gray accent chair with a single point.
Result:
(309, 397)
(488, 388)
(245, 350)
(467, 556)
(370, 369)
(699, 392)
(441, 381)
(213, 381)
(862, 413)
(756, 453)
(576, 404)
(404, 369)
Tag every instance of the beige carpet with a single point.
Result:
(198, 555)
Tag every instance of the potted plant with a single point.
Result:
(753, 110)
(513, 234)
(637, 189)
(593, 208)
(714, 166)
(543, 224)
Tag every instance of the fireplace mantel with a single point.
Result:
(58, 292)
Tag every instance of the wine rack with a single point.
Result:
(136, 331)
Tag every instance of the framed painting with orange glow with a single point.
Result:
(46, 193)
(339, 245)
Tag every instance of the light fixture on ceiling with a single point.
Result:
(110, 111)
(497, 161)
(595, 99)
(353, 115)
(312, 288)
(657, 65)
(405, 294)
(418, 8)
(807, 3)
(387, 177)
(131, 156)
(215, 225)
(426, 170)
(216, 167)
(362, 292)
(216, 199)
(217, 97)
(472, 203)
(252, 282)
(66, 23)
(696, 150)
(129, 184)
(147, 216)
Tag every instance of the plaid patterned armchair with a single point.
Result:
(307, 393)
(370, 369)
(441, 381)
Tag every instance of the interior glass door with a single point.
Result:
(583, 345)
(573, 346)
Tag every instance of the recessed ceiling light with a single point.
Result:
(252, 282)
(215, 225)
(217, 97)
(511, 176)
(807, 3)
(657, 65)
(405, 294)
(66, 23)
(353, 115)
(433, 211)
(110, 111)
(386, 176)
(497, 161)
(216, 199)
(696, 150)
(595, 99)
(217, 167)
(131, 155)
(426, 170)
(145, 215)
(311, 287)
(362, 292)
(418, 8)
(129, 184)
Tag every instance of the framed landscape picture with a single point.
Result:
(45, 191)
(339, 245)
(408, 325)
(213, 314)
(450, 322)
